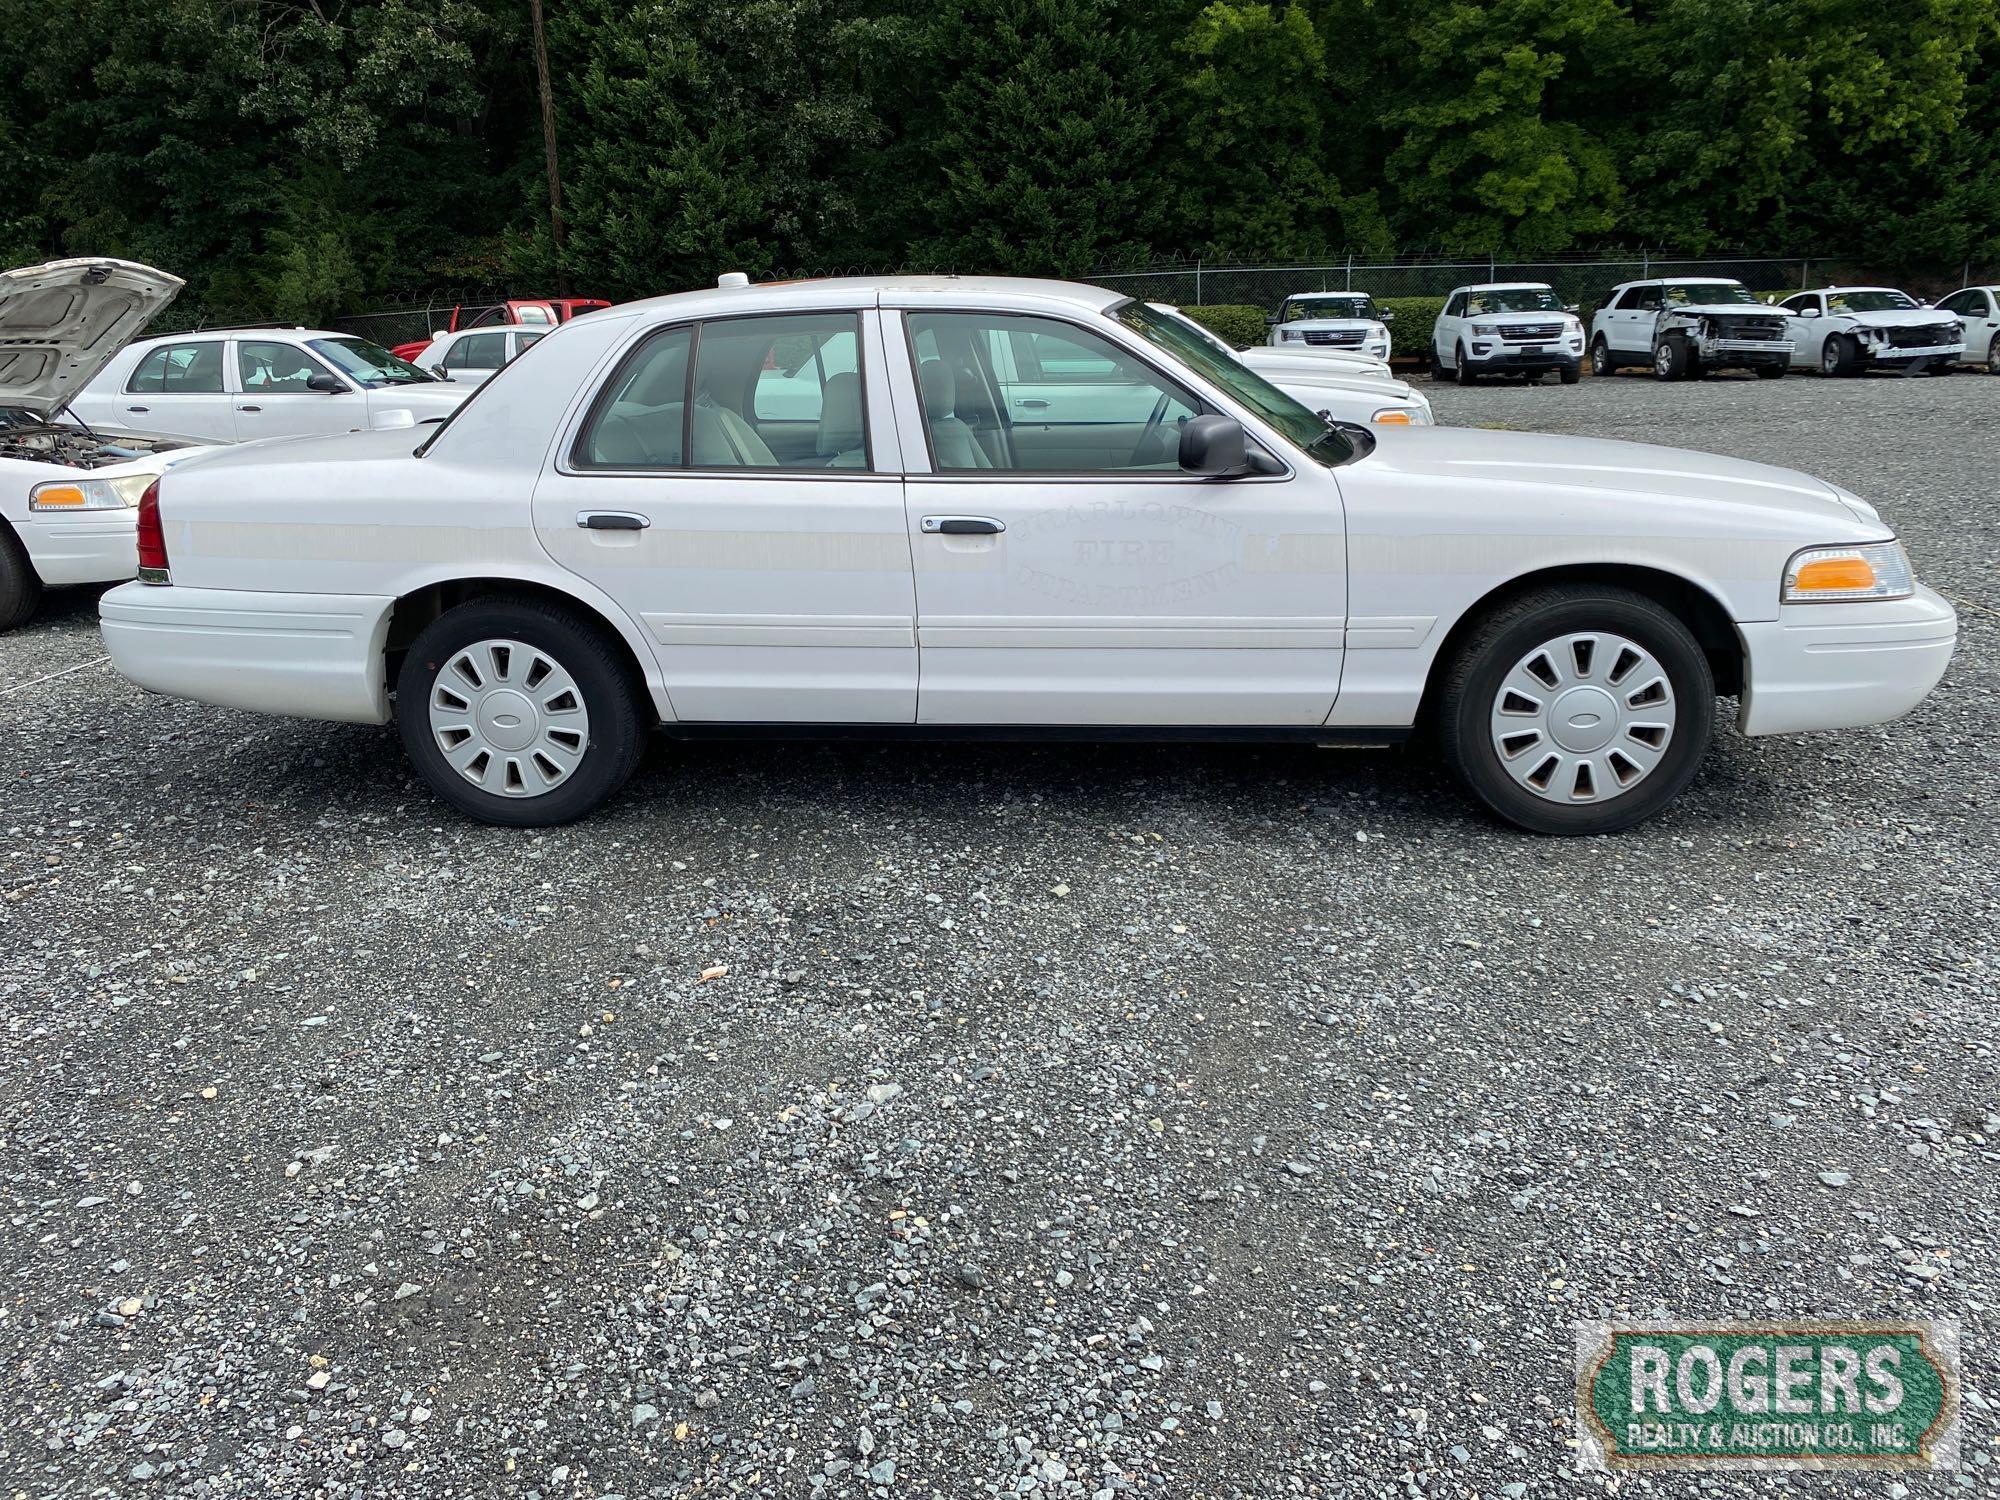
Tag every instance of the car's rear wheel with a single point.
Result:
(1571, 373)
(20, 584)
(1601, 360)
(1577, 709)
(1771, 372)
(1461, 369)
(518, 712)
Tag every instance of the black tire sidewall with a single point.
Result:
(1601, 361)
(615, 730)
(1462, 370)
(20, 585)
(1572, 372)
(1466, 722)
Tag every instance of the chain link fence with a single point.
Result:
(1196, 284)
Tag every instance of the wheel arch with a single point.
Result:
(418, 606)
(1705, 616)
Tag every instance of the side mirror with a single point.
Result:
(1212, 445)
(1387, 314)
(330, 384)
(1808, 312)
(1573, 308)
(1270, 320)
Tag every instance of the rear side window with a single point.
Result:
(191, 369)
(640, 419)
(477, 351)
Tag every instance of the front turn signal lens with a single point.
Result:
(1827, 575)
(1392, 416)
(58, 497)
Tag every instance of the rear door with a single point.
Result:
(474, 356)
(775, 584)
(178, 389)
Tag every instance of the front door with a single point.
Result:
(274, 396)
(1629, 328)
(1067, 572)
(749, 524)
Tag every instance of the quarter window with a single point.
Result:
(186, 369)
(1035, 395)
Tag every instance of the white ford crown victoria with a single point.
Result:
(623, 531)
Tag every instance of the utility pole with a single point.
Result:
(549, 143)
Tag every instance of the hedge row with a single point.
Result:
(1237, 325)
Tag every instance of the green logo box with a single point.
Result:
(1808, 1395)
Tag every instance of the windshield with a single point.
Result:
(1170, 332)
(1707, 293)
(1359, 305)
(1512, 299)
(368, 363)
(1868, 301)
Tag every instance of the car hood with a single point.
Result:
(1753, 309)
(61, 322)
(1501, 462)
(1901, 317)
(1267, 357)
(1292, 377)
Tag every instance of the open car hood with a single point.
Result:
(60, 323)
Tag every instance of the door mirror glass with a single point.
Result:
(1212, 445)
(330, 384)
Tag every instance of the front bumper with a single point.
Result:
(1489, 354)
(1889, 354)
(91, 546)
(1839, 666)
(1745, 351)
(312, 656)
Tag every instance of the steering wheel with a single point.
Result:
(1146, 437)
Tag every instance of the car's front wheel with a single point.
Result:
(1577, 709)
(1993, 356)
(1771, 372)
(20, 584)
(1461, 369)
(1836, 356)
(1572, 372)
(518, 712)
(1672, 359)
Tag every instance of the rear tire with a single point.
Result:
(1440, 371)
(1611, 734)
(20, 584)
(1461, 370)
(1572, 372)
(518, 713)
(1602, 360)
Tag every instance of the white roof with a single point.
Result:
(880, 291)
(266, 331)
(1342, 292)
(1896, 289)
(1508, 286)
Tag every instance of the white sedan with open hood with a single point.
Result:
(944, 506)
(69, 492)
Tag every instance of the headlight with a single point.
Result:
(89, 494)
(1489, 330)
(1291, 336)
(1834, 575)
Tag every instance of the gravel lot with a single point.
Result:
(843, 1120)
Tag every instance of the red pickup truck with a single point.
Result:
(544, 312)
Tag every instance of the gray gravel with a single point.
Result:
(856, 1120)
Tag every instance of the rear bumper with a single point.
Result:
(312, 656)
(1838, 666)
(89, 547)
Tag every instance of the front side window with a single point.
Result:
(188, 369)
(1644, 298)
(1456, 308)
(1958, 302)
(1025, 394)
(272, 368)
(1802, 304)
(370, 364)
(779, 392)
(1868, 300)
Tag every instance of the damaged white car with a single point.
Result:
(68, 491)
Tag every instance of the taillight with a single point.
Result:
(152, 539)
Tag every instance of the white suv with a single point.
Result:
(1512, 327)
(1685, 326)
(1332, 320)
(1977, 309)
(236, 384)
(1840, 330)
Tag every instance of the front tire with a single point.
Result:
(1993, 356)
(1671, 360)
(20, 584)
(518, 713)
(1571, 372)
(1577, 709)
(1461, 370)
(1837, 355)
(1771, 372)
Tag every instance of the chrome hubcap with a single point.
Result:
(509, 718)
(1583, 718)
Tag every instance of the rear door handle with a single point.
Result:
(249, 408)
(962, 526)
(1032, 403)
(611, 520)
(138, 408)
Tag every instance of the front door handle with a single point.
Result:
(611, 520)
(1032, 403)
(962, 526)
(249, 408)
(138, 408)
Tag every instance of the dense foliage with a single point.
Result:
(306, 157)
